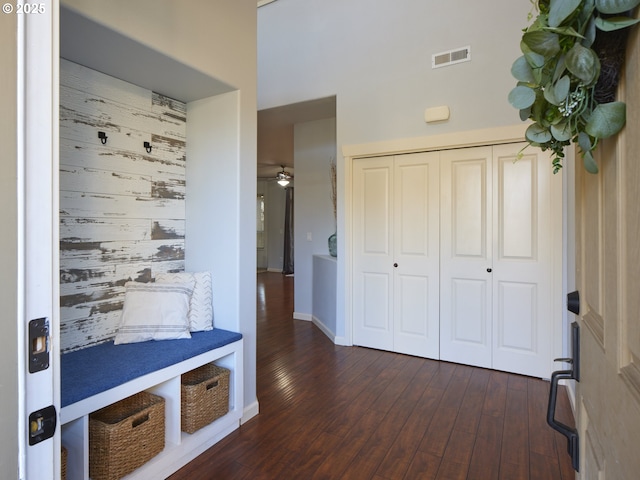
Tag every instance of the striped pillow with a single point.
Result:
(154, 311)
(201, 306)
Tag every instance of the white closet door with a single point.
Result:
(372, 253)
(396, 253)
(499, 228)
(524, 232)
(466, 256)
(417, 255)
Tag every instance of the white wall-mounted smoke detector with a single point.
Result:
(451, 57)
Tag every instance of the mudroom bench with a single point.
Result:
(98, 376)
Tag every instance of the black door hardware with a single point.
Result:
(42, 424)
(38, 345)
(573, 446)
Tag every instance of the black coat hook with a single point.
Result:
(147, 147)
(103, 137)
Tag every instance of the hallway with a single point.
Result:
(332, 412)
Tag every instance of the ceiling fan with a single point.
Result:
(283, 177)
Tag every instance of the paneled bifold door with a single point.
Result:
(396, 253)
(498, 233)
(462, 252)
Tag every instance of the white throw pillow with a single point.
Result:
(201, 307)
(153, 311)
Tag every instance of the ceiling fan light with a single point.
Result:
(283, 177)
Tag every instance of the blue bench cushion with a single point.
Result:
(92, 370)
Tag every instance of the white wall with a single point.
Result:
(9, 340)
(212, 228)
(324, 296)
(314, 146)
(376, 59)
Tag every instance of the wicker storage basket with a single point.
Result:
(204, 396)
(125, 435)
(63, 460)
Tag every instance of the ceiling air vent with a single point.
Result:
(451, 57)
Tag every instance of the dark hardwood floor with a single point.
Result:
(331, 412)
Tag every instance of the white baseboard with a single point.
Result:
(318, 323)
(275, 270)
(302, 316)
(332, 336)
(342, 341)
(249, 412)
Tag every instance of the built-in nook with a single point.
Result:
(149, 183)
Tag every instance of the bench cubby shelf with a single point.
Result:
(180, 448)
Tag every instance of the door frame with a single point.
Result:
(470, 138)
(38, 221)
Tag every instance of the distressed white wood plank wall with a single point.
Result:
(122, 209)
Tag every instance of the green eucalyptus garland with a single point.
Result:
(558, 72)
